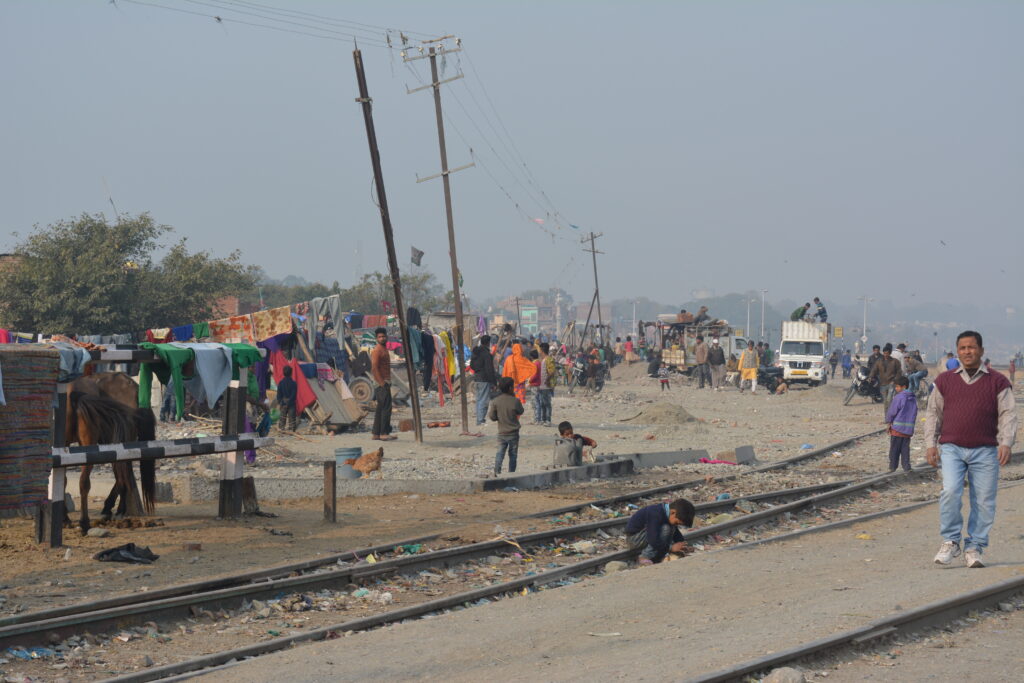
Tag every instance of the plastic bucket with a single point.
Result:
(340, 456)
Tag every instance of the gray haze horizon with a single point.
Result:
(832, 149)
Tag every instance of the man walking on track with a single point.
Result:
(970, 425)
(380, 368)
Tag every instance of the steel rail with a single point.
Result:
(585, 566)
(937, 612)
(177, 601)
(280, 571)
(777, 465)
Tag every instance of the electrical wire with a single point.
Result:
(326, 19)
(220, 19)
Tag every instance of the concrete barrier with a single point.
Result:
(615, 467)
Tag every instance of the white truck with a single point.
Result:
(804, 351)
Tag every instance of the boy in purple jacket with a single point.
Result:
(900, 417)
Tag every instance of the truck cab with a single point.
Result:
(804, 352)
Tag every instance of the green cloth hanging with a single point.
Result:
(172, 361)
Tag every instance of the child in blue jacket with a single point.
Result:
(901, 416)
(654, 530)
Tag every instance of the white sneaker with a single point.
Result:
(947, 551)
(972, 558)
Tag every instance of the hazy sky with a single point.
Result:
(810, 148)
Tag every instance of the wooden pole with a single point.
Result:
(389, 239)
(232, 465)
(451, 241)
(330, 492)
(50, 517)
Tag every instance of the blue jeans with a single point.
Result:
(915, 379)
(981, 466)
(639, 540)
(542, 405)
(508, 442)
(483, 399)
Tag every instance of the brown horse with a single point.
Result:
(102, 409)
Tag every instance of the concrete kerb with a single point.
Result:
(189, 488)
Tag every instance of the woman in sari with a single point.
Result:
(520, 369)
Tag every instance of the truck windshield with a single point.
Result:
(799, 348)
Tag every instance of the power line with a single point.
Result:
(516, 204)
(501, 122)
(219, 19)
(326, 19)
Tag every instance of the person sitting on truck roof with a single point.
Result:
(800, 312)
(684, 317)
(821, 314)
(702, 316)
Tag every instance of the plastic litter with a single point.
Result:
(360, 593)
(31, 652)
(806, 446)
(128, 552)
(723, 496)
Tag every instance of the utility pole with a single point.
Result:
(435, 84)
(864, 337)
(597, 290)
(763, 292)
(389, 239)
(519, 318)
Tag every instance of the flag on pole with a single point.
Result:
(460, 279)
(417, 256)
(574, 227)
(538, 221)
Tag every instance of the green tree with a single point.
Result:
(88, 276)
(422, 290)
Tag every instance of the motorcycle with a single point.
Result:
(769, 377)
(862, 386)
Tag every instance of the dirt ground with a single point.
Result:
(36, 577)
(631, 415)
(684, 618)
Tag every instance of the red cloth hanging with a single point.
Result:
(304, 395)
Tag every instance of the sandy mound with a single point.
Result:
(661, 414)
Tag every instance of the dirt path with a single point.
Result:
(676, 619)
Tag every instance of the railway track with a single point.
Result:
(509, 588)
(314, 564)
(181, 601)
(934, 614)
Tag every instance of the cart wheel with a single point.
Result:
(362, 389)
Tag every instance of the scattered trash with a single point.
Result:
(98, 532)
(605, 635)
(371, 558)
(128, 552)
(865, 537)
(806, 446)
(723, 496)
(360, 593)
(615, 566)
(31, 652)
(67, 554)
(409, 549)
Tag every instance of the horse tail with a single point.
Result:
(107, 421)
(145, 425)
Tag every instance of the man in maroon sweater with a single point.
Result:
(971, 424)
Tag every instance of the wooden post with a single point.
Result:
(389, 239)
(232, 465)
(330, 491)
(50, 518)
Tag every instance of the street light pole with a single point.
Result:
(763, 292)
(865, 299)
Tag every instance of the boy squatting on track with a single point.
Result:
(655, 529)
